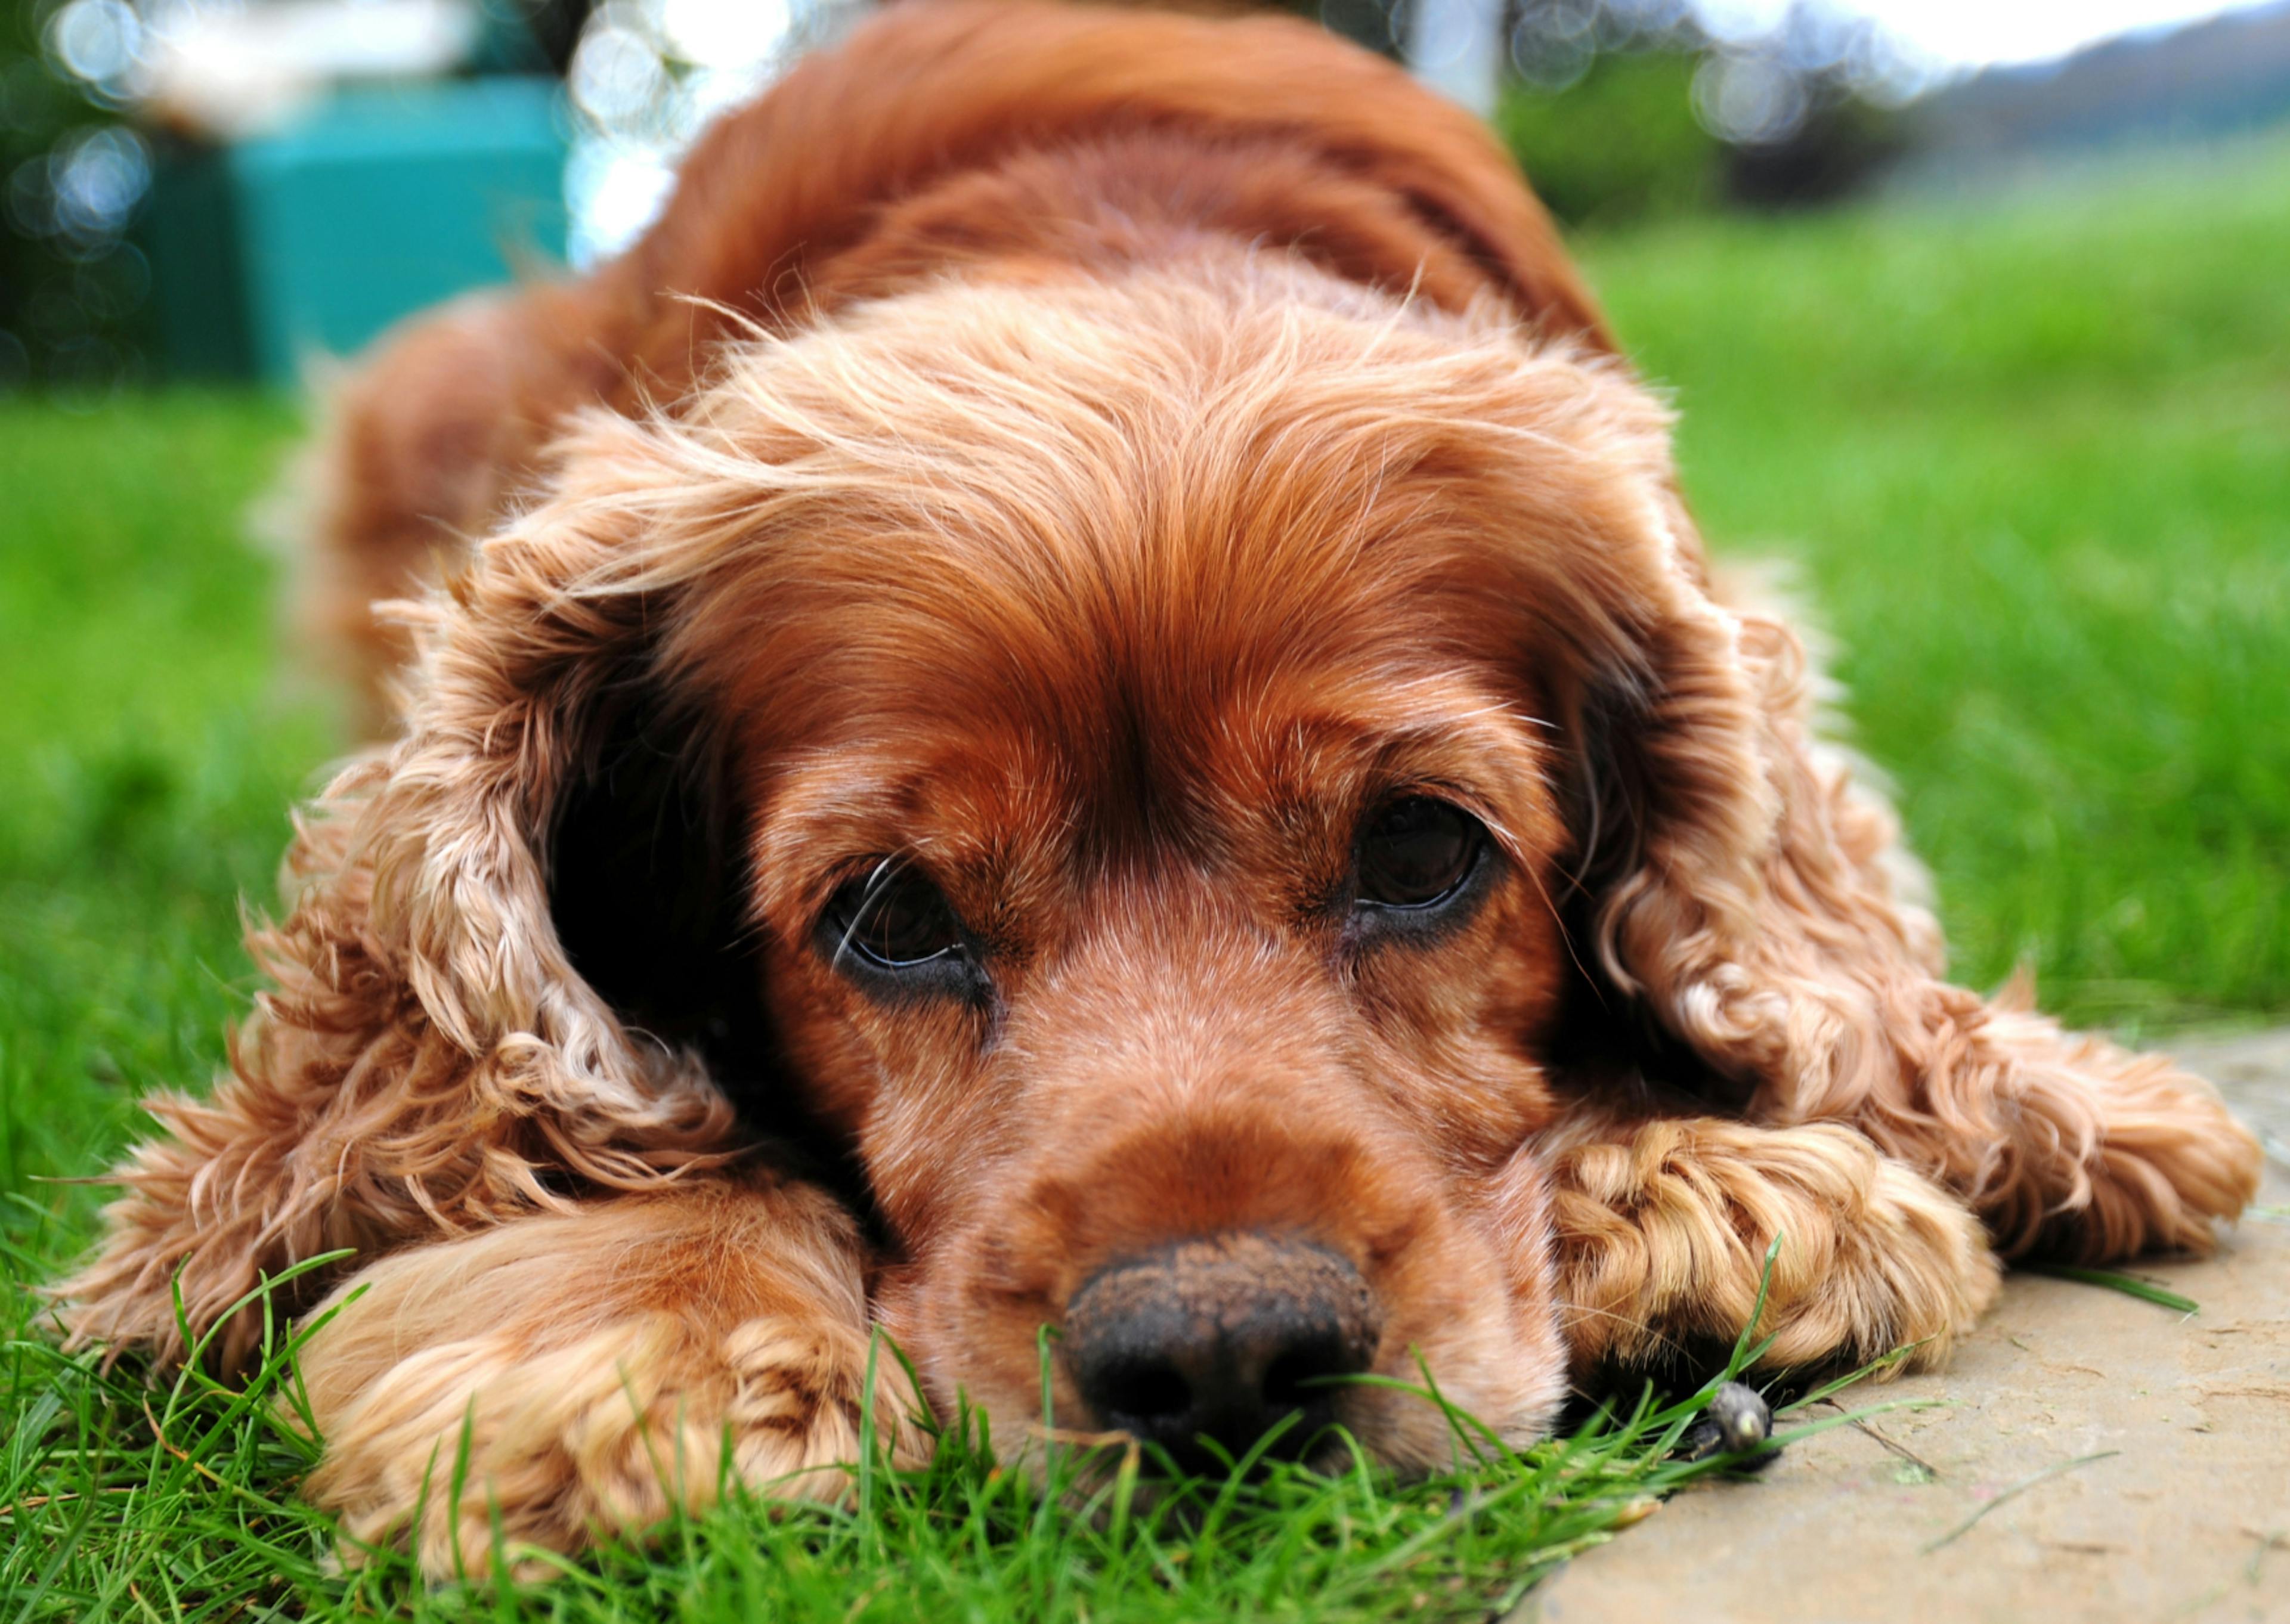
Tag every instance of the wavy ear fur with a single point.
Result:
(429, 1057)
(1746, 894)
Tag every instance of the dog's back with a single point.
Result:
(1011, 140)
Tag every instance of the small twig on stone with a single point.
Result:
(1892, 1443)
(2018, 1488)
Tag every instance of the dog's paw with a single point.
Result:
(1907, 1271)
(1664, 1228)
(471, 1450)
(2140, 1156)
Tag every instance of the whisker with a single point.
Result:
(1566, 937)
(877, 877)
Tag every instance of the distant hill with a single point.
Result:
(2221, 77)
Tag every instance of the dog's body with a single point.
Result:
(1150, 689)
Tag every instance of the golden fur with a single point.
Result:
(1108, 573)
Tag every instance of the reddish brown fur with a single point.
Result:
(1153, 445)
(958, 141)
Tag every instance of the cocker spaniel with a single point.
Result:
(1086, 700)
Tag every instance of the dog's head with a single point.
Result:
(1148, 768)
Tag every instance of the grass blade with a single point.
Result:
(2128, 1285)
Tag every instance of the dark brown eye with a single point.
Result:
(898, 920)
(1416, 852)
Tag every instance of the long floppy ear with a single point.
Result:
(430, 1056)
(1747, 895)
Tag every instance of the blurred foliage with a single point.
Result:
(1622, 141)
(1842, 144)
(1618, 110)
(72, 288)
(1625, 141)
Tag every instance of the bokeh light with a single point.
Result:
(100, 40)
(647, 76)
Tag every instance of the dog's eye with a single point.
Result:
(897, 921)
(1416, 852)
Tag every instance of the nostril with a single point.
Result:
(1299, 1379)
(1149, 1396)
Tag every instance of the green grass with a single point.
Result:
(155, 1503)
(2033, 458)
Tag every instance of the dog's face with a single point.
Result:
(1164, 896)
(1139, 704)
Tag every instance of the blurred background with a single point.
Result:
(221, 189)
(1976, 313)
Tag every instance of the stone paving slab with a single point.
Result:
(2187, 1515)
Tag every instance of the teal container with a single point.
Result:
(311, 240)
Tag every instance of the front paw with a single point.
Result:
(1907, 1269)
(554, 1447)
(1664, 1228)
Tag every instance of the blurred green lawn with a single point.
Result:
(2031, 454)
(2031, 458)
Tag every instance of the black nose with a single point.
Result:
(1219, 1338)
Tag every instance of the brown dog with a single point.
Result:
(1142, 743)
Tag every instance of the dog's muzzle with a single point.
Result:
(1221, 1339)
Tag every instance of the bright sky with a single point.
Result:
(1975, 33)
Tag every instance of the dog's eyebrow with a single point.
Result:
(1500, 707)
(1447, 727)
